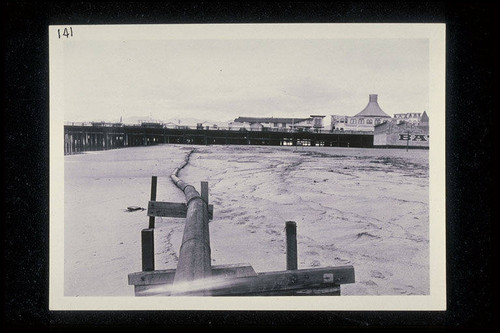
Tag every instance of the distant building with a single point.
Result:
(314, 122)
(365, 120)
(170, 125)
(210, 125)
(411, 117)
(151, 124)
(403, 132)
(105, 124)
(317, 121)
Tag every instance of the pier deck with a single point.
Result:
(79, 138)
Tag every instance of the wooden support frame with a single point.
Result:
(241, 280)
(196, 276)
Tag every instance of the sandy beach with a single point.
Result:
(363, 207)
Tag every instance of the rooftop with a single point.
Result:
(372, 109)
(269, 120)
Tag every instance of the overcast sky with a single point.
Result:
(220, 80)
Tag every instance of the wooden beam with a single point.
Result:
(160, 290)
(167, 276)
(330, 290)
(167, 209)
(313, 281)
(172, 209)
(279, 282)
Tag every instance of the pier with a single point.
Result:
(84, 137)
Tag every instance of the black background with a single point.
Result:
(472, 160)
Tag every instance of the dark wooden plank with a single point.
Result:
(330, 290)
(315, 278)
(163, 290)
(172, 209)
(147, 244)
(167, 276)
(167, 209)
(314, 281)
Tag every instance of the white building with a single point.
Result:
(365, 120)
(399, 132)
(314, 122)
(411, 117)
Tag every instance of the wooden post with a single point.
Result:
(291, 245)
(147, 242)
(153, 198)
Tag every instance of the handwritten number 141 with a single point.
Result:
(67, 32)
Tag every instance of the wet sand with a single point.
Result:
(363, 207)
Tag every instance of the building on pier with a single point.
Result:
(312, 123)
(409, 117)
(365, 120)
(402, 132)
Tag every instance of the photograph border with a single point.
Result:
(434, 33)
(471, 164)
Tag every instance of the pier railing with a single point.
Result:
(195, 276)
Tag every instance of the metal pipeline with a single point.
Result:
(194, 255)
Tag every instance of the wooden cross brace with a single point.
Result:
(172, 209)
